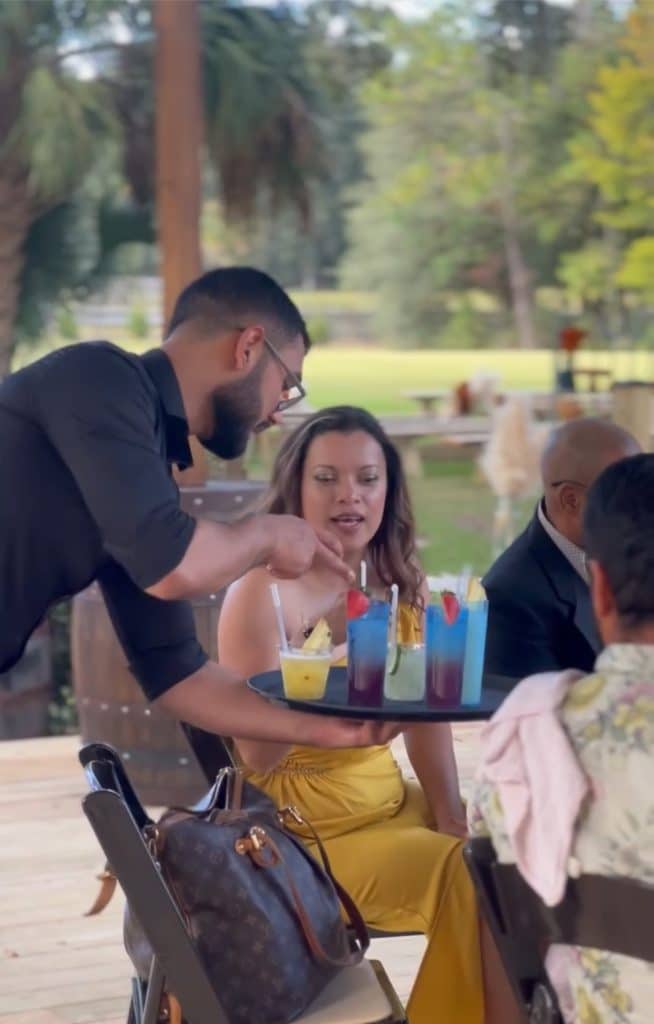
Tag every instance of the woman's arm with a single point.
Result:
(431, 754)
(248, 642)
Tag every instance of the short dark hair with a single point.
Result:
(619, 534)
(229, 295)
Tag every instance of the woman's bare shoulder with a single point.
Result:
(252, 582)
(251, 594)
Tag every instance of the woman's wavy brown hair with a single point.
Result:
(392, 550)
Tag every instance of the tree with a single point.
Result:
(342, 47)
(50, 122)
(57, 129)
(615, 152)
(466, 157)
(448, 164)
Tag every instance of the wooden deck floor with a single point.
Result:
(57, 966)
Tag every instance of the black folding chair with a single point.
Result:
(611, 914)
(357, 995)
(212, 752)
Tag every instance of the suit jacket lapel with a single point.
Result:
(584, 618)
(566, 582)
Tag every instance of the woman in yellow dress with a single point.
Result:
(395, 845)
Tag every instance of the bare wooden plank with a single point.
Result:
(81, 957)
(95, 1011)
(64, 995)
(53, 978)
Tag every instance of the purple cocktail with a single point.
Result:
(446, 645)
(365, 685)
(444, 682)
(367, 644)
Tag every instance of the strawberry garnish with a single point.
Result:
(450, 606)
(357, 604)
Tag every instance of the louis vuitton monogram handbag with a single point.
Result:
(263, 913)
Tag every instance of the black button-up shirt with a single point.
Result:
(87, 438)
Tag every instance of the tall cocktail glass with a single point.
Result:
(367, 644)
(405, 672)
(473, 665)
(445, 644)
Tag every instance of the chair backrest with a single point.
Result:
(117, 819)
(104, 769)
(211, 751)
(612, 914)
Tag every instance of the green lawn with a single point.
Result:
(376, 377)
(454, 512)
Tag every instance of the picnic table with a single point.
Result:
(593, 375)
(543, 404)
(428, 400)
(407, 432)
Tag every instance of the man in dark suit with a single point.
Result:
(539, 611)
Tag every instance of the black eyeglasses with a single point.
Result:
(292, 388)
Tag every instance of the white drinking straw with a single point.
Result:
(395, 597)
(463, 583)
(277, 604)
(363, 575)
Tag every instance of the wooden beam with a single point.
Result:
(179, 133)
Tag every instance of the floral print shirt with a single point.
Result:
(609, 718)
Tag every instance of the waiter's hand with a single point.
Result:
(294, 547)
(336, 733)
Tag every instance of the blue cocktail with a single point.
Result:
(367, 645)
(446, 646)
(473, 665)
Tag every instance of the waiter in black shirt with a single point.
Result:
(88, 435)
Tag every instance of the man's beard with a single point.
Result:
(236, 412)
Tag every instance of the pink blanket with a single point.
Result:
(541, 785)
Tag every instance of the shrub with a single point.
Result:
(138, 324)
(67, 324)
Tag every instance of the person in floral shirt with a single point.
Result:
(608, 717)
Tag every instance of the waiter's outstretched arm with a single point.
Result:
(215, 700)
(220, 553)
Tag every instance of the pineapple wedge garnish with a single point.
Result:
(475, 591)
(320, 638)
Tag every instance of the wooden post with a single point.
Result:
(633, 409)
(178, 155)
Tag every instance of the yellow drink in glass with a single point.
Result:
(304, 673)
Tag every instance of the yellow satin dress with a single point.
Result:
(402, 873)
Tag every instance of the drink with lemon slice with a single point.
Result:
(305, 669)
(405, 672)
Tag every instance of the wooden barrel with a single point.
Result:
(26, 689)
(110, 703)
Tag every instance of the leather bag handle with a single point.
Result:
(353, 914)
(355, 919)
